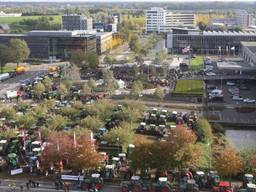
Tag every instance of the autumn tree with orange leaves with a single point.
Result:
(228, 163)
(62, 151)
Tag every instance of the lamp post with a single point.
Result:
(210, 155)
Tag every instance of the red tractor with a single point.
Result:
(223, 186)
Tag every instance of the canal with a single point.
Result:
(241, 139)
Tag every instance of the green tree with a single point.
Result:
(39, 89)
(47, 83)
(159, 93)
(19, 50)
(134, 43)
(204, 131)
(110, 84)
(56, 122)
(91, 123)
(92, 60)
(5, 56)
(160, 56)
(108, 59)
(137, 87)
(63, 89)
(92, 83)
(26, 121)
(86, 90)
(202, 26)
(78, 58)
(8, 113)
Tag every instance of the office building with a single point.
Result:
(155, 17)
(243, 18)
(59, 44)
(180, 19)
(76, 22)
(103, 42)
(207, 42)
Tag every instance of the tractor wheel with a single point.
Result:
(98, 186)
(136, 188)
(165, 189)
(85, 187)
(125, 189)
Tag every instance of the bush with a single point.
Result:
(204, 131)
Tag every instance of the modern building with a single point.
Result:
(248, 52)
(59, 44)
(76, 22)
(103, 42)
(207, 42)
(155, 17)
(105, 27)
(243, 18)
(180, 19)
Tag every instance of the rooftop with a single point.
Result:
(40, 33)
(228, 33)
(250, 45)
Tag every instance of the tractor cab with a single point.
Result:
(223, 186)
(248, 178)
(12, 160)
(109, 171)
(162, 185)
(142, 127)
(213, 179)
(189, 186)
(3, 144)
(94, 182)
(251, 187)
(200, 179)
(134, 184)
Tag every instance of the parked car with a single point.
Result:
(229, 83)
(210, 74)
(237, 98)
(249, 100)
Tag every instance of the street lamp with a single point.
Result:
(209, 155)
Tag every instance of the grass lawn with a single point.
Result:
(11, 20)
(194, 87)
(197, 63)
(8, 68)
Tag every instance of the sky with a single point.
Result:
(130, 0)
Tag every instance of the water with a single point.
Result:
(242, 139)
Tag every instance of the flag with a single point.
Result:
(40, 136)
(186, 49)
(75, 143)
(232, 48)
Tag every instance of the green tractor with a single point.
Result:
(189, 186)
(134, 184)
(213, 179)
(201, 179)
(162, 185)
(3, 145)
(12, 160)
(94, 182)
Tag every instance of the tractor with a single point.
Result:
(189, 186)
(12, 160)
(136, 184)
(94, 182)
(250, 187)
(223, 186)
(162, 185)
(201, 179)
(248, 178)
(213, 179)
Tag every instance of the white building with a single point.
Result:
(158, 20)
(155, 17)
(3, 14)
(248, 52)
(180, 19)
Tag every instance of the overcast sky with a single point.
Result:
(132, 0)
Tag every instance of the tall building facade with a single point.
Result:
(76, 22)
(155, 17)
(243, 18)
(158, 20)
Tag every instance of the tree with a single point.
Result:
(63, 89)
(137, 87)
(160, 56)
(26, 121)
(204, 131)
(78, 58)
(62, 148)
(5, 56)
(86, 90)
(56, 122)
(159, 93)
(19, 50)
(92, 60)
(249, 160)
(8, 113)
(108, 59)
(228, 163)
(134, 43)
(92, 83)
(110, 82)
(39, 89)
(91, 123)
(47, 83)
